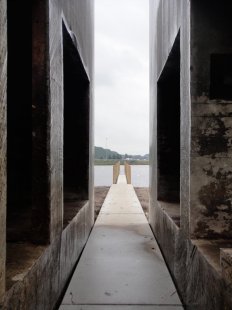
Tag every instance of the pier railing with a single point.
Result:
(116, 172)
(127, 168)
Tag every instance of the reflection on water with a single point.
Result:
(103, 175)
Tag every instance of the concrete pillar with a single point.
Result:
(3, 79)
(185, 121)
(55, 124)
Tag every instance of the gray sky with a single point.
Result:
(122, 75)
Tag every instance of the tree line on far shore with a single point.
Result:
(107, 154)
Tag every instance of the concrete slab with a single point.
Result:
(108, 219)
(121, 266)
(122, 179)
(120, 307)
(121, 200)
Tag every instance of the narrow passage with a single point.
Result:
(121, 267)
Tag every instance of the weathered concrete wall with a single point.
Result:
(195, 277)
(40, 285)
(226, 265)
(211, 144)
(82, 26)
(3, 73)
(55, 72)
(78, 16)
(195, 266)
(164, 28)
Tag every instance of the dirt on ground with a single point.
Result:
(143, 196)
(101, 192)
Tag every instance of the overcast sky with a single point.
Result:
(122, 75)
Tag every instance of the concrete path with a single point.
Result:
(121, 267)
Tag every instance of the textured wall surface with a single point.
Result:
(56, 117)
(205, 154)
(3, 73)
(41, 286)
(226, 264)
(165, 22)
(211, 133)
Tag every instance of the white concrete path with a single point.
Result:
(121, 267)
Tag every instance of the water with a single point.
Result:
(140, 175)
(103, 175)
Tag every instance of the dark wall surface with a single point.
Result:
(192, 251)
(36, 278)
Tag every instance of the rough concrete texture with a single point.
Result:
(37, 279)
(209, 291)
(211, 147)
(226, 265)
(195, 267)
(55, 122)
(32, 289)
(211, 193)
(165, 21)
(81, 26)
(205, 171)
(3, 73)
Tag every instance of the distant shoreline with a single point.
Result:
(111, 162)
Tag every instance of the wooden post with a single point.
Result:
(127, 172)
(116, 171)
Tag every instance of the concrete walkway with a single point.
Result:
(121, 267)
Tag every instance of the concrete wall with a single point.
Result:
(3, 72)
(205, 173)
(49, 253)
(165, 24)
(211, 147)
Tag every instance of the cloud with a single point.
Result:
(121, 75)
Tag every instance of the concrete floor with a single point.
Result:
(121, 267)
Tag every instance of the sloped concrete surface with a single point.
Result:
(121, 266)
(119, 307)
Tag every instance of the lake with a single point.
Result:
(103, 175)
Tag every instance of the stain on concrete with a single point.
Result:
(216, 195)
(212, 138)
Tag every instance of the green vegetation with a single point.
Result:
(105, 154)
(111, 162)
(105, 162)
(108, 157)
(138, 162)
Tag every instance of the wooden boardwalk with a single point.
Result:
(121, 267)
